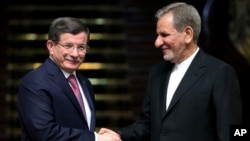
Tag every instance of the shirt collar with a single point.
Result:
(187, 62)
(66, 74)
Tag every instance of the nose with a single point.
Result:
(158, 42)
(74, 52)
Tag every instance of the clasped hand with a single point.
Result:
(105, 134)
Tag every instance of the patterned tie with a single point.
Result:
(76, 90)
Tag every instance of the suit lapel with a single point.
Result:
(89, 99)
(86, 91)
(59, 79)
(193, 73)
(163, 86)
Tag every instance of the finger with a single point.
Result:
(103, 130)
(115, 138)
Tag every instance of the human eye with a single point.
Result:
(68, 46)
(164, 34)
(82, 47)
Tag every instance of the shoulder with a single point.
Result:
(33, 76)
(213, 64)
(216, 62)
(209, 60)
(39, 74)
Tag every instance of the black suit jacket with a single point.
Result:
(206, 102)
(48, 108)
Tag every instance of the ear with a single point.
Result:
(50, 44)
(189, 34)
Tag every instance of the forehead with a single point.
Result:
(166, 19)
(80, 37)
(165, 22)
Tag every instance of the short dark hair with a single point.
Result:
(66, 25)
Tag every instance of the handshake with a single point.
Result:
(105, 134)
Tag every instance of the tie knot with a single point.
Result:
(72, 80)
(74, 85)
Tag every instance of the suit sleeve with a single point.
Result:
(227, 101)
(140, 129)
(38, 119)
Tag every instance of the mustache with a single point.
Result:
(77, 59)
(164, 47)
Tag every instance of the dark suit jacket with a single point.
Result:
(205, 104)
(48, 108)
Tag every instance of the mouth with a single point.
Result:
(73, 60)
(164, 48)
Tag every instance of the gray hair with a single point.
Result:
(183, 15)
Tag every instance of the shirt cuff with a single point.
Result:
(96, 139)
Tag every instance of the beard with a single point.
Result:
(169, 56)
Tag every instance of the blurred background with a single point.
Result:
(122, 50)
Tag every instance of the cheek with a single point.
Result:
(82, 56)
(177, 43)
(59, 54)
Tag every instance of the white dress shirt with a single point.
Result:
(85, 102)
(176, 76)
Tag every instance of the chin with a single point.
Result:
(168, 57)
(71, 68)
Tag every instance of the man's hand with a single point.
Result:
(106, 134)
